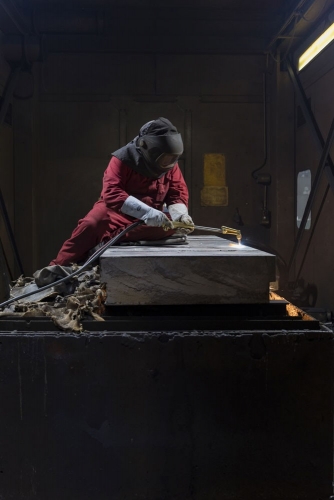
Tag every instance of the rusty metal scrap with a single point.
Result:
(67, 312)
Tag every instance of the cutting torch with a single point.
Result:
(221, 230)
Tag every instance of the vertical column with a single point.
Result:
(283, 161)
(188, 152)
(23, 182)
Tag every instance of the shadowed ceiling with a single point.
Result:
(189, 26)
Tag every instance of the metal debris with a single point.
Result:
(67, 305)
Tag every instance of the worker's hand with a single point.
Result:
(179, 212)
(186, 219)
(138, 209)
(156, 218)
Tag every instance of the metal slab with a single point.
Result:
(209, 270)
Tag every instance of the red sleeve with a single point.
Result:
(114, 181)
(178, 191)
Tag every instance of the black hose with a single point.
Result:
(91, 259)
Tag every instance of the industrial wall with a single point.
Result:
(86, 105)
(90, 104)
(57, 144)
(314, 263)
(91, 94)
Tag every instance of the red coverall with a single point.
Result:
(105, 220)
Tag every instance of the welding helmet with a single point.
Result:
(160, 145)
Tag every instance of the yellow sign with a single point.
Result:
(215, 191)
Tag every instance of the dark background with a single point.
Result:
(95, 71)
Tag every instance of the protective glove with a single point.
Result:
(152, 217)
(179, 212)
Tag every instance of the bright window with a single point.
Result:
(303, 192)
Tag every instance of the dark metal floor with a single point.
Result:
(272, 316)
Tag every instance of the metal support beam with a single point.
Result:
(295, 13)
(8, 93)
(314, 189)
(13, 78)
(16, 15)
(5, 269)
(310, 119)
(187, 152)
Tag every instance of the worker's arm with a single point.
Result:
(116, 197)
(115, 180)
(177, 198)
(152, 217)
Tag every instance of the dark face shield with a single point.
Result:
(161, 152)
(167, 161)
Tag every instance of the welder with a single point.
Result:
(141, 178)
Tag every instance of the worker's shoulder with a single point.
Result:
(175, 171)
(115, 162)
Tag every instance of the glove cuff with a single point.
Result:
(135, 208)
(177, 210)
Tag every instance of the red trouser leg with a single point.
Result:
(97, 227)
(88, 233)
